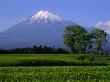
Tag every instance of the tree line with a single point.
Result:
(79, 40)
(76, 38)
(35, 50)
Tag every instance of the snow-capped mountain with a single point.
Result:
(44, 17)
(43, 28)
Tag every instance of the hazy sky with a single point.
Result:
(84, 12)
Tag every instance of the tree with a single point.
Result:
(76, 38)
(99, 37)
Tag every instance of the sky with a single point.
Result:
(87, 13)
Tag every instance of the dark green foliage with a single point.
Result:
(76, 38)
(34, 50)
(52, 63)
(99, 37)
(79, 40)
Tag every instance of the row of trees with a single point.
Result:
(79, 40)
(34, 50)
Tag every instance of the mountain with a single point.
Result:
(43, 28)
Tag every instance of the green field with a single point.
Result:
(54, 60)
(54, 68)
(55, 74)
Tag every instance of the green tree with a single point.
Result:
(76, 38)
(99, 38)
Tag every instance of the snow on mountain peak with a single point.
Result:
(45, 15)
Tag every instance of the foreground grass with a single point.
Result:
(54, 60)
(55, 74)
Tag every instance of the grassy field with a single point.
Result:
(54, 60)
(54, 68)
(55, 74)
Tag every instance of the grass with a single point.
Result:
(54, 68)
(54, 60)
(55, 74)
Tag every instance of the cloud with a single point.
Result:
(104, 25)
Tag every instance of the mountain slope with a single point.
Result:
(43, 28)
